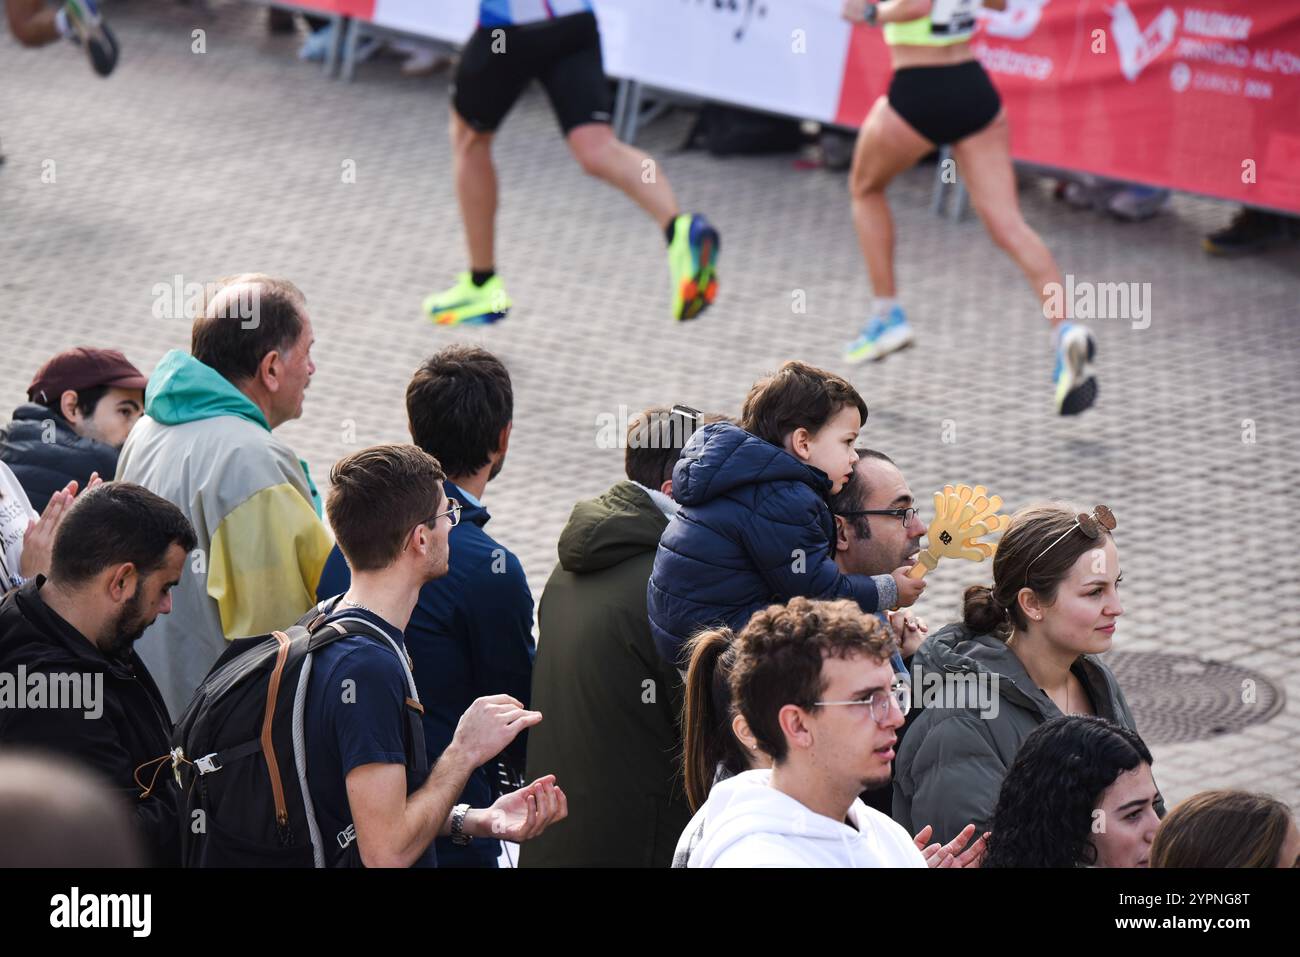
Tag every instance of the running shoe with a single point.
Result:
(1136, 203)
(882, 335)
(93, 34)
(693, 262)
(468, 304)
(1076, 386)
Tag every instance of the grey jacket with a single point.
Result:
(952, 760)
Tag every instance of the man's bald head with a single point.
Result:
(244, 318)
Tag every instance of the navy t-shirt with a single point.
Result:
(355, 714)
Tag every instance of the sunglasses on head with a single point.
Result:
(1093, 525)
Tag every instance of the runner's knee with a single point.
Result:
(592, 154)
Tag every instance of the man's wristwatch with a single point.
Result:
(458, 835)
(870, 15)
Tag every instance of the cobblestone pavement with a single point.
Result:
(200, 165)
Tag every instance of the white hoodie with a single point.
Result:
(748, 823)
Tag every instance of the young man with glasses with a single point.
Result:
(814, 683)
(392, 519)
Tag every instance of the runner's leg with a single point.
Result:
(32, 22)
(984, 163)
(886, 146)
(602, 155)
(476, 190)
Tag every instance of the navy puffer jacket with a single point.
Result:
(45, 467)
(754, 529)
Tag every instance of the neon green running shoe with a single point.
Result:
(468, 304)
(693, 260)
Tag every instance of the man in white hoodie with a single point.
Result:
(814, 683)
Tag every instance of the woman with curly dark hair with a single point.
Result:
(1080, 794)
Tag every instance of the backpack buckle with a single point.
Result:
(208, 763)
(346, 836)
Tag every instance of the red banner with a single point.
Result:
(1197, 96)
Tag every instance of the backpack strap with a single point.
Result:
(342, 849)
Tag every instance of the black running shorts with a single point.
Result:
(945, 103)
(562, 54)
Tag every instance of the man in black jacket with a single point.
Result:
(81, 406)
(69, 679)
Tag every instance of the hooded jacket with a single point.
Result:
(44, 467)
(951, 762)
(205, 447)
(610, 734)
(754, 529)
(748, 823)
(118, 724)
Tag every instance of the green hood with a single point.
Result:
(182, 389)
(611, 528)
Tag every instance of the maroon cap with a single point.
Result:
(83, 368)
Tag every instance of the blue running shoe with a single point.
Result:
(881, 336)
(1076, 386)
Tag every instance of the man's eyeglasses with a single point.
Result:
(906, 514)
(1101, 520)
(453, 510)
(900, 693)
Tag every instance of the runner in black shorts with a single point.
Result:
(940, 95)
(555, 42)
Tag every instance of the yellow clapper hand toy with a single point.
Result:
(961, 515)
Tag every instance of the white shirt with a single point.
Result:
(749, 823)
(16, 513)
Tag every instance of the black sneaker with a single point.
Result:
(93, 34)
(1251, 231)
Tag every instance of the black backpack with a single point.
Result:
(239, 755)
(732, 130)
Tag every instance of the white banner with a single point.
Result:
(784, 56)
(449, 20)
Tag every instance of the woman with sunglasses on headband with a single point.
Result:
(1024, 652)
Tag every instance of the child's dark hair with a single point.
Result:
(796, 396)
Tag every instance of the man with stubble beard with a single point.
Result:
(70, 680)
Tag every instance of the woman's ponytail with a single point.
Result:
(706, 725)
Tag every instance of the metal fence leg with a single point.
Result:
(940, 187)
(620, 108)
(960, 201)
(338, 24)
(633, 119)
(350, 42)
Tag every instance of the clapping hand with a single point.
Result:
(526, 813)
(946, 855)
